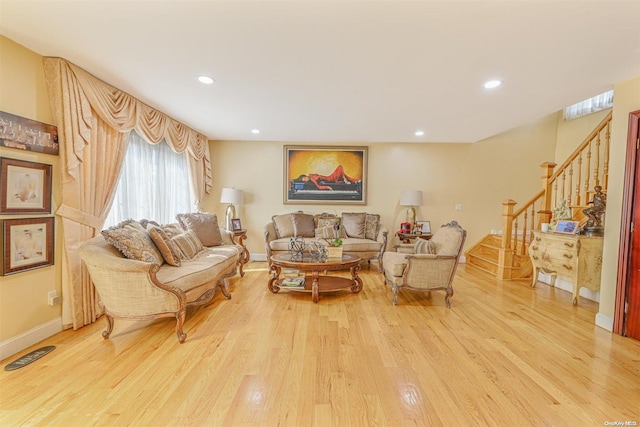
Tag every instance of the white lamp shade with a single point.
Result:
(411, 198)
(232, 195)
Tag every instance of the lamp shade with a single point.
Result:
(232, 195)
(411, 198)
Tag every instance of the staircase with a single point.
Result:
(505, 256)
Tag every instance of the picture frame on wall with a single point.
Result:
(25, 187)
(28, 135)
(28, 243)
(325, 174)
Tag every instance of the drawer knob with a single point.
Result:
(538, 239)
(568, 267)
(569, 256)
(535, 257)
(569, 245)
(535, 248)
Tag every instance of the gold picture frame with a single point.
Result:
(325, 174)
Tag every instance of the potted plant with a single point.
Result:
(334, 250)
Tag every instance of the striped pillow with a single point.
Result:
(188, 243)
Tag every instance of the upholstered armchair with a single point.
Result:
(426, 265)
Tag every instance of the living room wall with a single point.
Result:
(478, 176)
(23, 296)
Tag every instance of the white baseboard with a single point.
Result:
(33, 336)
(568, 286)
(605, 322)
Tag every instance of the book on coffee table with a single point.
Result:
(293, 282)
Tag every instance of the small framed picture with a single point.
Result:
(566, 227)
(235, 224)
(423, 227)
(28, 244)
(25, 187)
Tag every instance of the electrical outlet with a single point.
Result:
(458, 207)
(53, 298)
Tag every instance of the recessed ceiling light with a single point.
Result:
(206, 80)
(255, 131)
(419, 133)
(492, 84)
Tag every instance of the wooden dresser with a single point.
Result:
(576, 258)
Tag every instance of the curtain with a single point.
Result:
(145, 166)
(94, 121)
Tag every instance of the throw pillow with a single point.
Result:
(283, 224)
(188, 243)
(205, 225)
(133, 241)
(354, 223)
(169, 250)
(422, 246)
(371, 226)
(303, 225)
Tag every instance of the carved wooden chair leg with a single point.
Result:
(447, 298)
(395, 294)
(107, 332)
(180, 316)
(224, 287)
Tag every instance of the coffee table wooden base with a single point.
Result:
(315, 281)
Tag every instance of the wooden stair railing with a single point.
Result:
(573, 181)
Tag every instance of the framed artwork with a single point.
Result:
(25, 187)
(325, 174)
(566, 227)
(27, 244)
(423, 227)
(25, 134)
(235, 224)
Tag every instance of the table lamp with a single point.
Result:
(411, 198)
(231, 196)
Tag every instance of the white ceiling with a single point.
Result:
(342, 71)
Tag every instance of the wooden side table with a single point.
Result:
(245, 255)
(409, 237)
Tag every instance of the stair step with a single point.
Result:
(483, 264)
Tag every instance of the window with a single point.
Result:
(154, 184)
(588, 106)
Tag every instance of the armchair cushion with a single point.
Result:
(422, 246)
(447, 241)
(371, 226)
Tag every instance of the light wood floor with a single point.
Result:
(503, 355)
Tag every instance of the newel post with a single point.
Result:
(505, 255)
(544, 214)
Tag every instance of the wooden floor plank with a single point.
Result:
(503, 354)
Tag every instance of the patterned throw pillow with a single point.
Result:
(325, 227)
(303, 225)
(133, 241)
(371, 226)
(354, 223)
(169, 250)
(422, 246)
(205, 225)
(188, 243)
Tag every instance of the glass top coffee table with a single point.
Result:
(314, 282)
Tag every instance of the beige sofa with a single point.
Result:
(361, 233)
(149, 288)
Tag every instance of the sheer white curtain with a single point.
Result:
(588, 106)
(154, 184)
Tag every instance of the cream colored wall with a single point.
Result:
(571, 133)
(477, 176)
(23, 296)
(626, 100)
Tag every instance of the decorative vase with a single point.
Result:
(334, 252)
